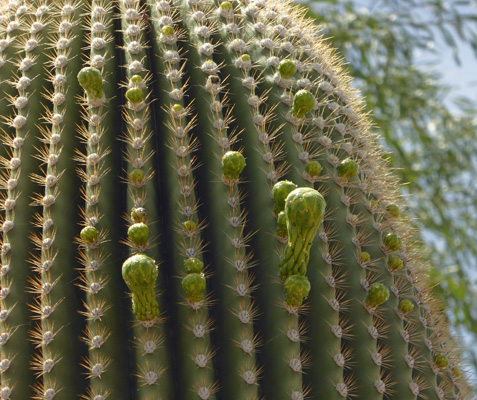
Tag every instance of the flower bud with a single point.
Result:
(286, 69)
(392, 242)
(303, 103)
(89, 234)
(405, 306)
(167, 30)
(313, 168)
(347, 169)
(393, 210)
(364, 257)
(280, 192)
(297, 288)
(233, 164)
(441, 361)
(395, 263)
(194, 287)
(281, 230)
(135, 95)
(139, 234)
(138, 215)
(377, 294)
(136, 175)
(91, 81)
(193, 266)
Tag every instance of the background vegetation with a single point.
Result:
(432, 139)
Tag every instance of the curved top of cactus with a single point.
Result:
(170, 162)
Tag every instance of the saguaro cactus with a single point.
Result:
(194, 207)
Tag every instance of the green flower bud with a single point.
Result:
(392, 242)
(297, 288)
(189, 225)
(193, 266)
(377, 295)
(136, 79)
(177, 108)
(313, 168)
(441, 361)
(226, 5)
(89, 234)
(347, 169)
(91, 81)
(364, 257)
(280, 192)
(139, 234)
(140, 273)
(303, 103)
(405, 306)
(135, 95)
(395, 263)
(136, 175)
(139, 215)
(167, 30)
(304, 208)
(194, 287)
(281, 230)
(456, 372)
(393, 210)
(286, 69)
(233, 164)
(245, 57)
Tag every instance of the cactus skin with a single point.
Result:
(209, 189)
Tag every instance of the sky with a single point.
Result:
(461, 78)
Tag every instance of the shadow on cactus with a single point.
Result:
(194, 207)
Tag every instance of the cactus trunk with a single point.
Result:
(194, 206)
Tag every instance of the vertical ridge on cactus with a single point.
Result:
(158, 241)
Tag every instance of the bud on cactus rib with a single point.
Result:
(91, 81)
(178, 164)
(304, 208)
(377, 295)
(152, 366)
